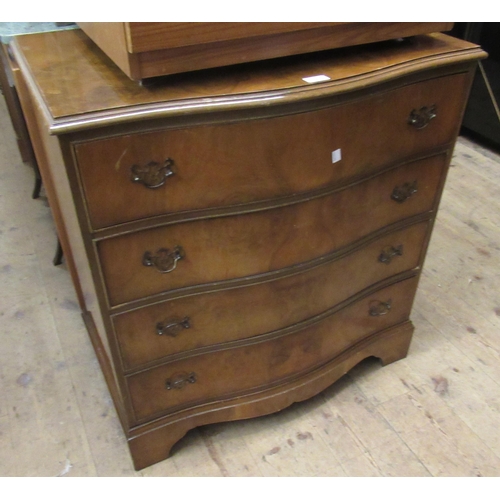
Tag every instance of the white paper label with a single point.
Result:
(316, 78)
(336, 155)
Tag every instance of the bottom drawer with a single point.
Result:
(264, 361)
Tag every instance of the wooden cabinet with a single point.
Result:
(241, 239)
(146, 49)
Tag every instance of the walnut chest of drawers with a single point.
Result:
(240, 238)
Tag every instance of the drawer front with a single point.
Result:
(149, 262)
(224, 373)
(128, 177)
(150, 333)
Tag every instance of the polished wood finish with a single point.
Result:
(249, 310)
(228, 248)
(236, 157)
(228, 372)
(112, 38)
(372, 422)
(152, 443)
(145, 37)
(323, 240)
(146, 49)
(80, 90)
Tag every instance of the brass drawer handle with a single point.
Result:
(420, 118)
(389, 252)
(402, 193)
(173, 327)
(379, 308)
(165, 260)
(153, 175)
(180, 380)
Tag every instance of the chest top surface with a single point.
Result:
(78, 87)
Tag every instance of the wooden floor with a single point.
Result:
(435, 413)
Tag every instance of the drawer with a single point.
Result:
(140, 175)
(148, 334)
(153, 261)
(230, 372)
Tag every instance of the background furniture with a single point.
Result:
(8, 68)
(143, 49)
(482, 115)
(7, 32)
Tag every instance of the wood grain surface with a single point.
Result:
(81, 89)
(252, 244)
(252, 367)
(243, 312)
(234, 247)
(235, 163)
(432, 414)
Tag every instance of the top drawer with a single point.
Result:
(140, 175)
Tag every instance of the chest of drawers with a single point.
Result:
(240, 239)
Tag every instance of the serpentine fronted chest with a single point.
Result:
(240, 238)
